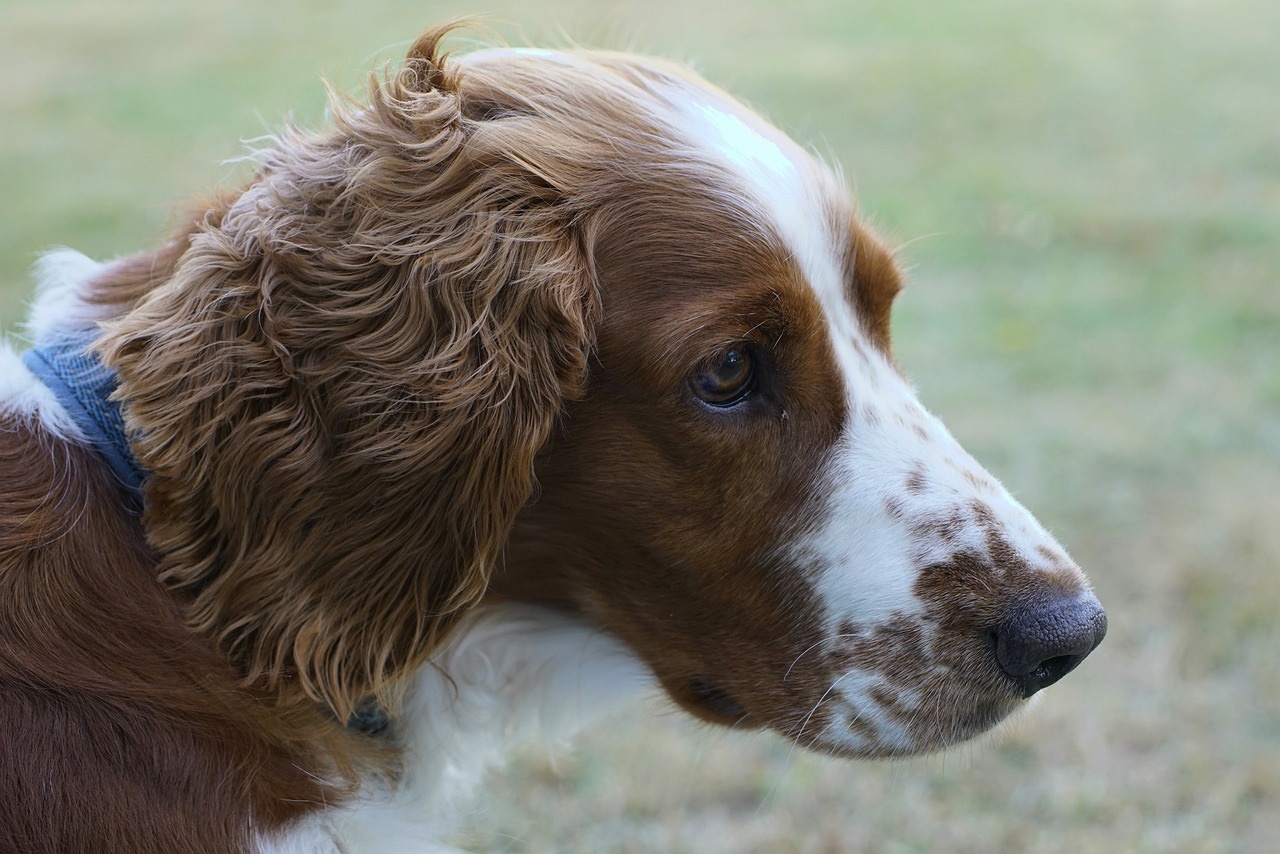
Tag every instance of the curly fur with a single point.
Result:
(339, 391)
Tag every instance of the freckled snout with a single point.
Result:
(1044, 640)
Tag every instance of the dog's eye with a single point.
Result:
(725, 380)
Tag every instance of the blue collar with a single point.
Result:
(83, 385)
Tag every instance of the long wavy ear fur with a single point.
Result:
(339, 392)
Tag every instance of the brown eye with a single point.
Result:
(725, 380)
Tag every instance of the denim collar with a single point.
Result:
(84, 385)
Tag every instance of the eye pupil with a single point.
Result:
(725, 380)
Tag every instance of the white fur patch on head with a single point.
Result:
(788, 187)
(745, 148)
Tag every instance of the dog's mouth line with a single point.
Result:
(716, 700)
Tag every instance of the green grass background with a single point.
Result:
(1088, 195)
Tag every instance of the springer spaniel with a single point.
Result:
(539, 380)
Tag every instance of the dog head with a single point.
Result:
(342, 379)
(749, 492)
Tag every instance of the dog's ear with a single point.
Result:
(339, 387)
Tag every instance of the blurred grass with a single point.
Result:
(1090, 193)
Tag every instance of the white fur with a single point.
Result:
(59, 307)
(511, 674)
(25, 397)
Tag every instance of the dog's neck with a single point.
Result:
(511, 674)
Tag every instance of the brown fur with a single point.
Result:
(121, 730)
(874, 282)
(660, 518)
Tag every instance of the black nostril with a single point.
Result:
(1048, 672)
(1043, 640)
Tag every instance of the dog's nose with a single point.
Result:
(1042, 641)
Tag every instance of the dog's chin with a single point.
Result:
(971, 723)
(839, 735)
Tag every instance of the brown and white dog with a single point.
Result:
(542, 378)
